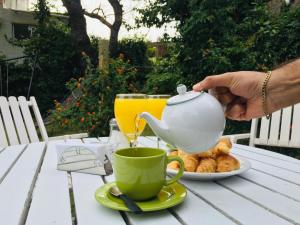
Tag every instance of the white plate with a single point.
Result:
(244, 166)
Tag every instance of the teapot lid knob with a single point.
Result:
(181, 89)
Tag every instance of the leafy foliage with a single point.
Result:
(94, 107)
(134, 52)
(56, 61)
(165, 75)
(221, 36)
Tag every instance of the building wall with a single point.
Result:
(7, 18)
(16, 4)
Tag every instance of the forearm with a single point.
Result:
(284, 86)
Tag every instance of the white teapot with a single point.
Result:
(191, 121)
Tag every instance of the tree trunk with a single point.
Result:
(78, 29)
(114, 31)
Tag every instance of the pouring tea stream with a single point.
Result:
(191, 121)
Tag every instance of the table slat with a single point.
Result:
(273, 183)
(90, 140)
(50, 202)
(16, 188)
(275, 171)
(268, 160)
(232, 204)
(8, 157)
(190, 207)
(279, 204)
(195, 211)
(160, 217)
(260, 151)
(88, 210)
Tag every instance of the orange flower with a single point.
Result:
(88, 113)
(93, 113)
(77, 104)
(82, 120)
(66, 121)
(121, 56)
(78, 85)
(120, 71)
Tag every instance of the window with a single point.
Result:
(22, 31)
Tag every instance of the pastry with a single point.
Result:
(190, 163)
(227, 163)
(206, 154)
(207, 165)
(174, 164)
(224, 146)
(214, 160)
(173, 153)
(190, 160)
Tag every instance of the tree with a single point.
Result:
(78, 28)
(114, 27)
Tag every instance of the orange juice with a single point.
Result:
(127, 109)
(156, 104)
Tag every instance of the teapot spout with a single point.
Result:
(160, 128)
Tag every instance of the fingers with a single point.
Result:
(223, 80)
(236, 112)
(223, 94)
(237, 109)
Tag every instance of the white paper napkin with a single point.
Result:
(85, 158)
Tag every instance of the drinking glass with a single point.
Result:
(127, 110)
(156, 105)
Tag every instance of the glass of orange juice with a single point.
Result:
(127, 109)
(156, 105)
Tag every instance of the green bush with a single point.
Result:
(165, 75)
(222, 36)
(52, 48)
(56, 62)
(94, 107)
(135, 52)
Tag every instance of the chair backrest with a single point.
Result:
(17, 121)
(282, 129)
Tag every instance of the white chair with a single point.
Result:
(282, 129)
(17, 122)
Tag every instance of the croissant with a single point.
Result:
(224, 146)
(173, 153)
(206, 154)
(190, 160)
(207, 165)
(227, 141)
(181, 153)
(174, 165)
(190, 163)
(226, 163)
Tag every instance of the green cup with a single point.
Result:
(141, 172)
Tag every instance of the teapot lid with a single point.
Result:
(183, 95)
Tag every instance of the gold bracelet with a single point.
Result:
(264, 94)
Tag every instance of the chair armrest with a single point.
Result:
(235, 137)
(80, 135)
(69, 136)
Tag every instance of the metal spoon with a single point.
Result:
(131, 205)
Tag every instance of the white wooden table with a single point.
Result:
(33, 192)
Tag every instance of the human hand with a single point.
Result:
(239, 91)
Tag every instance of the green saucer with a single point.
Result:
(169, 196)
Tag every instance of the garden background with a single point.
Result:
(214, 36)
